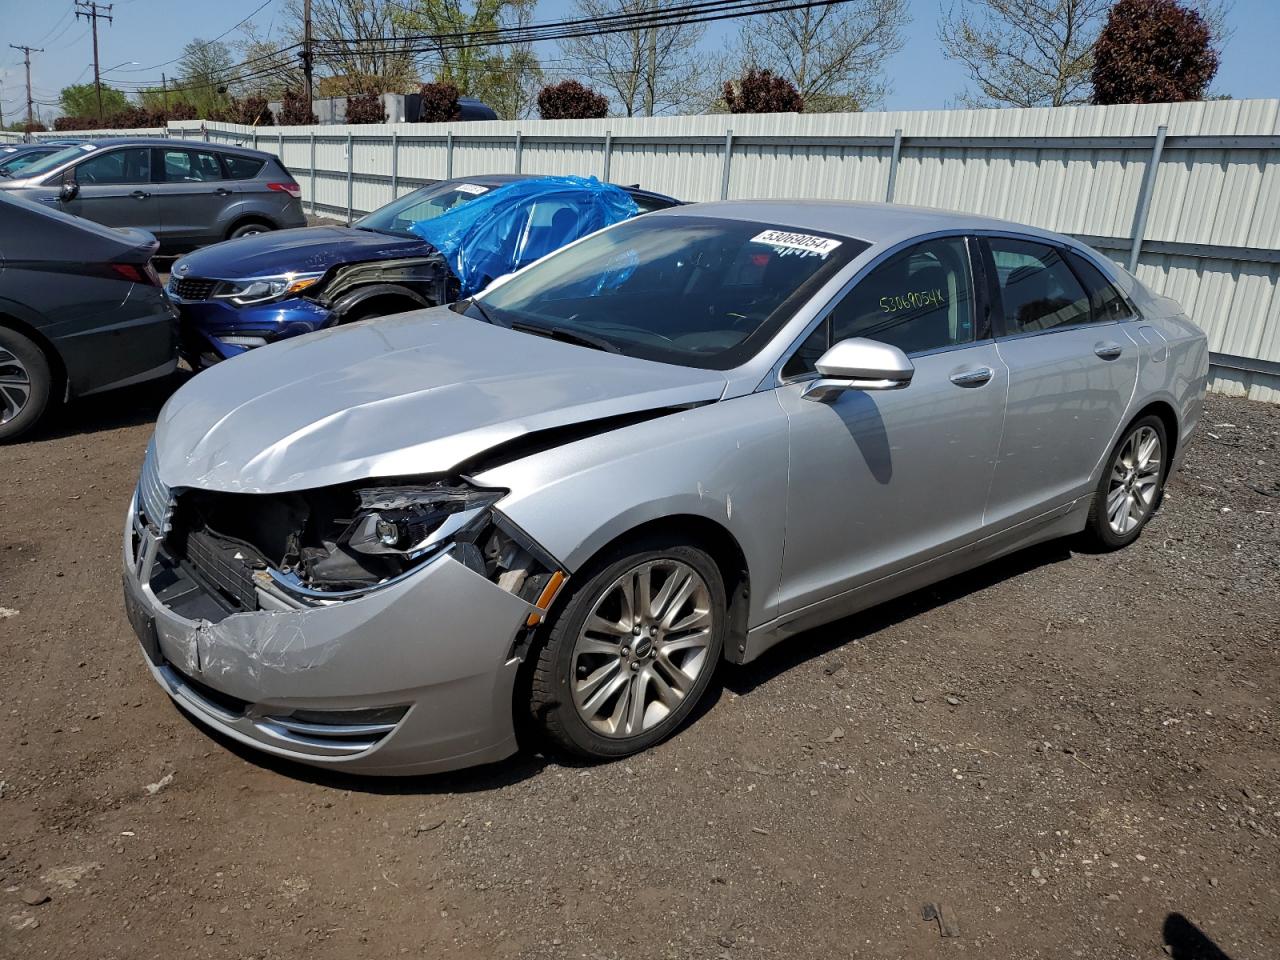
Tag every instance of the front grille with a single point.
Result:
(155, 500)
(191, 288)
(222, 566)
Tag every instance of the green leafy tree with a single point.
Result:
(81, 100)
(204, 72)
(1153, 51)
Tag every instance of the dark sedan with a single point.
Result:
(186, 193)
(81, 311)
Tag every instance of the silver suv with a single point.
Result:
(186, 193)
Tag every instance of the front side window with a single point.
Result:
(131, 165)
(1105, 301)
(696, 291)
(1037, 286)
(918, 300)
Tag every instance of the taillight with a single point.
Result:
(137, 274)
(291, 188)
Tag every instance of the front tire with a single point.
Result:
(26, 384)
(632, 650)
(1131, 486)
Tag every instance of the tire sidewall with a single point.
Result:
(37, 367)
(1102, 529)
(249, 230)
(570, 621)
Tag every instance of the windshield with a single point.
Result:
(426, 203)
(697, 291)
(11, 163)
(47, 163)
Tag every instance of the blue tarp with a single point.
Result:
(494, 234)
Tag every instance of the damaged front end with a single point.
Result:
(316, 547)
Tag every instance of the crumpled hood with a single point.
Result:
(417, 393)
(301, 250)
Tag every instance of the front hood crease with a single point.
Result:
(414, 394)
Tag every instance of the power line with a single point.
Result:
(93, 12)
(206, 43)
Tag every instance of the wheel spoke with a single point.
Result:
(677, 602)
(636, 707)
(669, 692)
(643, 589)
(592, 646)
(674, 582)
(598, 624)
(589, 686)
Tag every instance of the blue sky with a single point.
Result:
(150, 31)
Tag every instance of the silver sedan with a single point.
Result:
(684, 439)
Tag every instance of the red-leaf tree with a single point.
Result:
(571, 100)
(1153, 51)
(366, 108)
(293, 109)
(439, 103)
(762, 91)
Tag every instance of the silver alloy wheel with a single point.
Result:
(642, 648)
(1135, 477)
(15, 386)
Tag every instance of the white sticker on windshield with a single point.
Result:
(88, 146)
(797, 241)
(471, 188)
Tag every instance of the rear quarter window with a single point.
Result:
(241, 168)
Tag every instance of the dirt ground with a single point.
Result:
(1073, 755)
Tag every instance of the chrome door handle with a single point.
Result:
(223, 192)
(139, 195)
(972, 378)
(1108, 351)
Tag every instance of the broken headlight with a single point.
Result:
(395, 529)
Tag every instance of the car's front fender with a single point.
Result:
(725, 462)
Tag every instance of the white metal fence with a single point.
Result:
(1188, 195)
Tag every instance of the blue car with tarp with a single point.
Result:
(440, 243)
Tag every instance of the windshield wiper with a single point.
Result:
(569, 336)
(485, 315)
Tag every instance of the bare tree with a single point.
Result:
(512, 76)
(833, 55)
(353, 49)
(1034, 53)
(645, 72)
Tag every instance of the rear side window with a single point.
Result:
(1105, 302)
(647, 204)
(1040, 292)
(189, 166)
(241, 168)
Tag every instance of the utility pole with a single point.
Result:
(306, 49)
(164, 94)
(26, 54)
(93, 12)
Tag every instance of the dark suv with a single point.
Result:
(186, 193)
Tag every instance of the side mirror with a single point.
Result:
(69, 191)
(859, 364)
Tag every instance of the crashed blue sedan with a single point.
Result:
(435, 245)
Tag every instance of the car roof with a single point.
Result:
(880, 224)
(170, 142)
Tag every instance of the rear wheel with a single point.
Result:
(26, 384)
(1131, 487)
(249, 229)
(632, 651)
